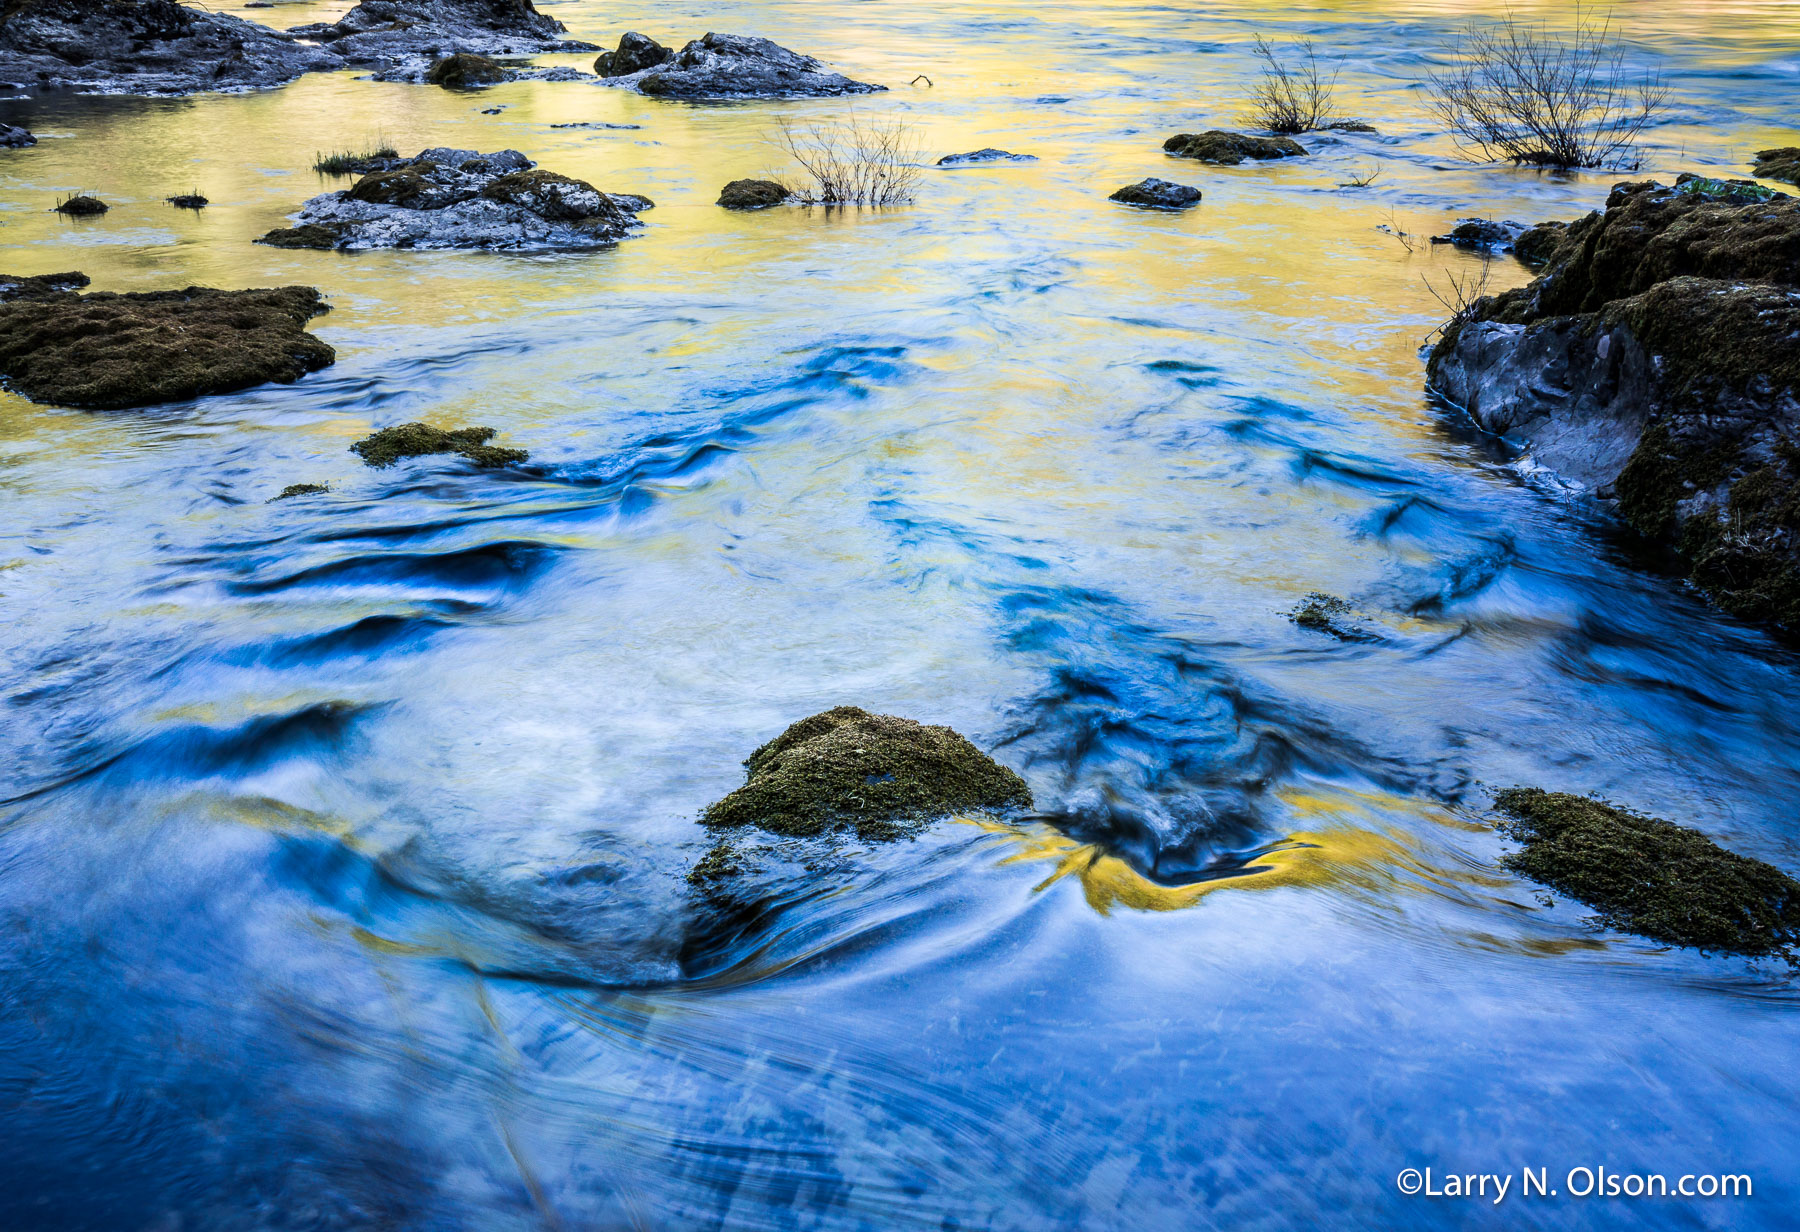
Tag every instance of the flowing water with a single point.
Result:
(343, 854)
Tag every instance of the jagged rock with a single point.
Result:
(875, 772)
(108, 351)
(989, 155)
(464, 69)
(1230, 149)
(1482, 235)
(446, 198)
(636, 52)
(1782, 164)
(752, 194)
(738, 66)
(1657, 360)
(1157, 194)
(13, 137)
(145, 47)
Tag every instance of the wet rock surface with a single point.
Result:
(1779, 164)
(1651, 877)
(635, 53)
(417, 440)
(1157, 194)
(739, 66)
(752, 194)
(409, 35)
(464, 69)
(1229, 149)
(1657, 360)
(1483, 235)
(14, 137)
(446, 198)
(109, 351)
(875, 773)
(976, 158)
(146, 47)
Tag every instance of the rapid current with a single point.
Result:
(344, 839)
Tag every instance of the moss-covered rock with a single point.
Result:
(39, 286)
(1155, 194)
(82, 207)
(464, 69)
(1230, 149)
(307, 235)
(559, 198)
(876, 773)
(1781, 164)
(1657, 359)
(1651, 877)
(417, 440)
(752, 194)
(300, 489)
(108, 351)
(1537, 245)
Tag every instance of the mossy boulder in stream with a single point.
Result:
(417, 440)
(1652, 877)
(752, 194)
(464, 69)
(881, 775)
(108, 351)
(1230, 149)
(1782, 164)
(1657, 360)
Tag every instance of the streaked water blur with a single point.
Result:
(343, 853)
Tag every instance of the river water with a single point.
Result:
(343, 853)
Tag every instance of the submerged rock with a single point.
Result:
(446, 198)
(13, 137)
(417, 440)
(1782, 164)
(145, 47)
(636, 52)
(739, 66)
(1230, 149)
(300, 489)
(109, 351)
(464, 69)
(1657, 359)
(1652, 877)
(881, 775)
(752, 194)
(1158, 195)
(989, 155)
(1483, 235)
(82, 207)
(1323, 613)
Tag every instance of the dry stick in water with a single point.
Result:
(855, 161)
(1524, 94)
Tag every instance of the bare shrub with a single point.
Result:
(1362, 179)
(1527, 94)
(1291, 100)
(1406, 239)
(854, 161)
(1461, 290)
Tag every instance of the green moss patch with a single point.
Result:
(1229, 149)
(307, 235)
(879, 774)
(1651, 877)
(108, 351)
(417, 440)
(300, 489)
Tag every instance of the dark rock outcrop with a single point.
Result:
(446, 198)
(635, 53)
(462, 70)
(1657, 360)
(1157, 194)
(82, 206)
(1782, 164)
(188, 201)
(419, 31)
(417, 440)
(15, 138)
(144, 47)
(39, 286)
(1230, 149)
(108, 351)
(739, 66)
(1652, 877)
(975, 158)
(874, 772)
(752, 194)
(1536, 245)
